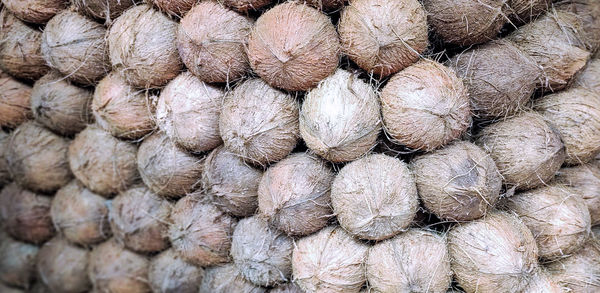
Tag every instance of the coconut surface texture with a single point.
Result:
(62, 266)
(4, 173)
(211, 40)
(7, 289)
(430, 95)
(142, 49)
(383, 37)
(175, 8)
(588, 11)
(103, 9)
(188, 112)
(35, 11)
(25, 215)
(496, 253)
(259, 123)
(287, 288)
(584, 180)
(340, 119)
(590, 77)
(17, 262)
(523, 11)
(170, 274)
(542, 281)
(80, 215)
(327, 5)
(527, 150)
(580, 271)
(293, 46)
(246, 6)
(225, 279)
(15, 102)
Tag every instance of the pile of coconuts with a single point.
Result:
(262, 146)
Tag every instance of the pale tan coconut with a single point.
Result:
(15, 102)
(287, 288)
(589, 13)
(584, 180)
(579, 272)
(25, 215)
(543, 282)
(62, 266)
(36, 11)
(173, 7)
(227, 279)
(523, 11)
(4, 173)
(589, 78)
(17, 262)
(103, 9)
(168, 273)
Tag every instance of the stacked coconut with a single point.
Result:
(299, 146)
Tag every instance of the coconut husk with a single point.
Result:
(246, 6)
(17, 263)
(4, 173)
(588, 11)
(26, 215)
(580, 272)
(225, 279)
(62, 266)
(35, 11)
(584, 180)
(15, 102)
(174, 8)
(103, 9)
(169, 273)
(589, 78)
(524, 11)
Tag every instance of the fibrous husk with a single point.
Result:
(327, 5)
(383, 37)
(425, 106)
(168, 273)
(25, 215)
(543, 282)
(211, 40)
(174, 7)
(293, 46)
(17, 263)
(226, 279)
(589, 78)
(62, 266)
(4, 173)
(584, 180)
(246, 6)
(103, 9)
(589, 13)
(580, 272)
(523, 11)
(15, 102)
(35, 11)
(287, 288)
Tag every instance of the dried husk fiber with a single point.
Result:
(35, 11)
(579, 272)
(584, 180)
(589, 78)
(174, 7)
(17, 262)
(25, 215)
(170, 274)
(226, 279)
(15, 102)
(245, 6)
(62, 266)
(103, 9)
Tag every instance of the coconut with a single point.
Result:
(231, 184)
(493, 254)
(425, 106)
(103, 9)
(590, 77)
(579, 272)
(139, 219)
(589, 13)
(36, 11)
(211, 41)
(584, 181)
(246, 6)
(37, 158)
(60, 105)
(167, 170)
(287, 288)
(542, 281)
(327, 5)
(293, 46)
(4, 173)
(15, 100)
(226, 279)
(115, 269)
(7, 289)
(62, 266)
(383, 37)
(142, 49)
(329, 261)
(188, 112)
(101, 162)
(25, 215)
(259, 123)
(200, 232)
(294, 194)
(76, 46)
(173, 7)
(458, 183)
(17, 262)
(527, 150)
(523, 11)
(80, 215)
(168, 273)
(500, 79)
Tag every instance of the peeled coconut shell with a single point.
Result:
(103, 9)
(4, 173)
(15, 102)
(523, 11)
(36, 11)
(17, 262)
(580, 271)
(169, 273)
(173, 7)
(62, 266)
(589, 78)
(588, 11)
(226, 279)
(584, 181)
(25, 215)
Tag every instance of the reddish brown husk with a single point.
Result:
(15, 102)
(26, 215)
(36, 11)
(327, 5)
(174, 8)
(523, 11)
(103, 9)
(170, 274)
(62, 266)
(17, 263)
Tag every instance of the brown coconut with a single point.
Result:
(115, 269)
(188, 112)
(527, 150)
(25, 215)
(166, 169)
(36, 11)
(287, 288)
(580, 272)
(37, 158)
(4, 173)
(425, 106)
(80, 215)
(458, 183)
(142, 49)
(59, 105)
(139, 219)
(294, 194)
(62, 266)
(15, 102)
(523, 11)
(173, 7)
(340, 119)
(327, 5)
(231, 184)
(584, 180)
(76, 46)
(330, 261)
(103, 9)
(293, 46)
(589, 13)
(543, 282)
(246, 6)
(200, 232)
(103, 163)
(496, 253)
(589, 78)
(259, 123)
(226, 279)
(500, 79)
(211, 40)
(17, 262)
(262, 254)
(383, 37)
(168, 273)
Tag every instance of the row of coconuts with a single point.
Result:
(266, 168)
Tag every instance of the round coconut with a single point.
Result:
(115, 269)
(259, 123)
(340, 118)
(262, 254)
(590, 77)
(80, 215)
(139, 219)
(580, 271)
(383, 37)
(226, 279)
(76, 46)
(425, 106)
(293, 46)
(231, 184)
(37, 158)
(17, 262)
(4, 173)
(119, 109)
(103, 9)
(327, 5)
(457, 183)
(62, 266)
(142, 49)
(523, 11)
(200, 232)
(542, 281)
(188, 112)
(103, 163)
(330, 261)
(500, 79)
(173, 7)
(584, 180)
(211, 40)
(294, 194)
(25, 215)
(589, 13)
(493, 254)
(166, 169)
(287, 288)
(168, 273)
(59, 105)
(527, 150)
(375, 197)
(246, 6)
(35, 11)
(415, 261)
(15, 102)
